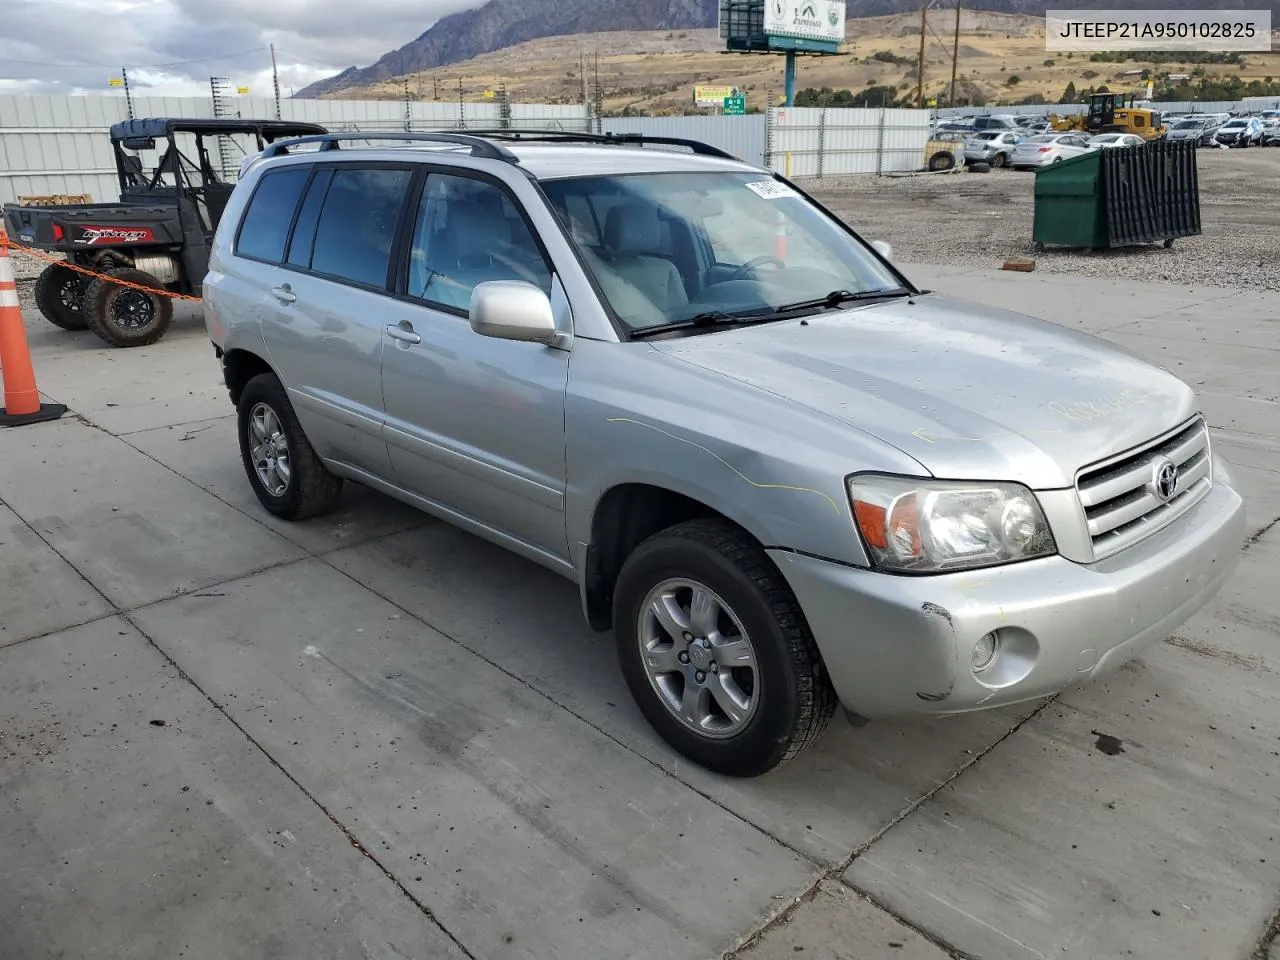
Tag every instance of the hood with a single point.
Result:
(968, 391)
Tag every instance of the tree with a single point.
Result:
(1069, 95)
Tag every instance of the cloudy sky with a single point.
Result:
(172, 47)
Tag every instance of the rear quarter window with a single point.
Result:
(265, 226)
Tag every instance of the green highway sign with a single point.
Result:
(735, 106)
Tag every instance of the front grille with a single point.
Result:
(1120, 497)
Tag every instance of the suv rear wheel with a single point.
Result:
(127, 316)
(59, 295)
(716, 650)
(287, 476)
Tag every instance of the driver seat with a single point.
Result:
(632, 234)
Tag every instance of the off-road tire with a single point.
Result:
(312, 489)
(101, 295)
(796, 696)
(60, 295)
(942, 161)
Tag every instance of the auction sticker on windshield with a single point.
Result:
(771, 189)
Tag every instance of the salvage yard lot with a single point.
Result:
(373, 735)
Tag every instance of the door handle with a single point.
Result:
(403, 331)
(283, 293)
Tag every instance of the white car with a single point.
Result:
(991, 146)
(1111, 140)
(1047, 149)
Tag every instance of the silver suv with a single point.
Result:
(783, 475)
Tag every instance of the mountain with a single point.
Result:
(503, 23)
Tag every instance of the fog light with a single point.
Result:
(984, 651)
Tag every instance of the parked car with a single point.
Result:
(994, 123)
(1201, 131)
(1240, 132)
(742, 444)
(1046, 149)
(1270, 133)
(991, 146)
(1112, 140)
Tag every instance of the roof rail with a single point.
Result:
(638, 139)
(329, 141)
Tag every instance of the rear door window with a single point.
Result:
(265, 226)
(357, 225)
(304, 234)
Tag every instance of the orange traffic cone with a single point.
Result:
(21, 399)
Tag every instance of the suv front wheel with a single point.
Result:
(716, 650)
(287, 476)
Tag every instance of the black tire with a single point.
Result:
(311, 489)
(796, 699)
(1000, 160)
(60, 295)
(980, 167)
(123, 316)
(942, 161)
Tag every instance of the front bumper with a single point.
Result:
(896, 645)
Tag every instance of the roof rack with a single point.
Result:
(329, 141)
(638, 139)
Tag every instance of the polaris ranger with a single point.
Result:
(157, 237)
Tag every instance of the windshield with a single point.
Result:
(1187, 125)
(667, 247)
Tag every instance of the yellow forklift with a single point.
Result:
(1113, 113)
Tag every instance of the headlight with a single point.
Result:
(931, 526)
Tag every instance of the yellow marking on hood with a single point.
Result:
(712, 453)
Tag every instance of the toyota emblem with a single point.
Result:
(1164, 478)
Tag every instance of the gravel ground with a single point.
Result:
(984, 219)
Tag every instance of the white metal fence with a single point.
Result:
(744, 137)
(837, 141)
(58, 144)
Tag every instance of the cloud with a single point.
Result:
(172, 47)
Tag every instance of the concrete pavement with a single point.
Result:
(374, 735)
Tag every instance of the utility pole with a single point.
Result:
(128, 97)
(582, 71)
(462, 116)
(924, 25)
(955, 56)
(275, 79)
(599, 96)
(435, 88)
(408, 110)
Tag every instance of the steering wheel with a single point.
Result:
(748, 268)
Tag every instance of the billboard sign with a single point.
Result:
(821, 20)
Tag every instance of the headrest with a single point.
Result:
(480, 228)
(631, 229)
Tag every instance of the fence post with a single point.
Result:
(880, 145)
(768, 132)
(822, 140)
(504, 107)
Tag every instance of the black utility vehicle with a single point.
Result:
(156, 237)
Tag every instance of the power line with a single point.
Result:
(139, 66)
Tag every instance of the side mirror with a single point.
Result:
(884, 249)
(512, 310)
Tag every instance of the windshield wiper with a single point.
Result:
(711, 318)
(837, 297)
(719, 318)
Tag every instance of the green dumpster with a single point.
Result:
(1115, 197)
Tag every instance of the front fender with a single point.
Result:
(774, 467)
